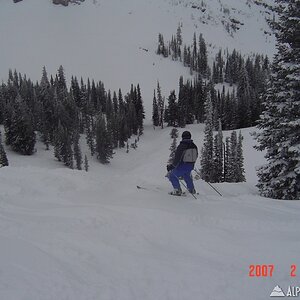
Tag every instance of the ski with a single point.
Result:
(184, 194)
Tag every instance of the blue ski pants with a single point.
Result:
(182, 170)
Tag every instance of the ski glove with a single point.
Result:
(170, 168)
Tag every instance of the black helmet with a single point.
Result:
(186, 135)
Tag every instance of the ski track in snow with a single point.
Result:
(69, 234)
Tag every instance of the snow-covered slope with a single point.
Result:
(69, 234)
(105, 39)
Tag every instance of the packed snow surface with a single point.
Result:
(79, 235)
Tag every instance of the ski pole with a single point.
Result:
(213, 188)
(198, 173)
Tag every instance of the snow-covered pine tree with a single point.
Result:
(139, 110)
(174, 135)
(109, 105)
(7, 122)
(104, 148)
(61, 85)
(86, 163)
(280, 122)
(230, 117)
(63, 146)
(232, 158)
(161, 49)
(3, 156)
(58, 144)
(179, 35)
(123, 128)
(215, 76)
(22, 136)
(155, 116)
(226, 160)
(161, 106)
(244, 99)
(202, 57)
(240, 171)
(199, 98)
(76, 91)
(194, 55)
(220, 66)
(172, 110)
(90, 133)
(77, 151)
(132, 118)
(48, 116)
(207, 149)
(182, 104)
(218, 156)
(67, 151)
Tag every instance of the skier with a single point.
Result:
(185, 157)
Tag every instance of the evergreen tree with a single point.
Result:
(182, 103)
(7, 122)
(202, 60)
(161, 49)
(77, 152)
(61, 85)
(194, 58)
(3, 156)
(240, 172)
(90, 134)
(86, 163)
(22, 136)
(173, 148)
(179, 36)
(132, 118)
(48, 114)
(218, 156)
(174, 133)
(207, 150)
(104, 148)
(172, 110)
(244, 99)
(227, 160)
(63, 146)
(67, 151)
(140, 112)
(160, 105)
(199, 99)
(75, 88)
(155, 116)
(58, 142)
(232, 159)
(280, 122)
(123, 127)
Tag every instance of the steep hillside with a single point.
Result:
(116, 43)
